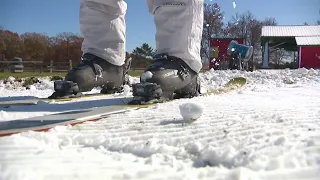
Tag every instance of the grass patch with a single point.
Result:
(4, 76)
(29, 81)
(136, 73)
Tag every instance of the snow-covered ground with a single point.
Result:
(270, 129)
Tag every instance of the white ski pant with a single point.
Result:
(178, 23)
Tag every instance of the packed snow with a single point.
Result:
(270, 129)
(191, 111)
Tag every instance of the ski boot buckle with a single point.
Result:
(65, 89)
(146, 93)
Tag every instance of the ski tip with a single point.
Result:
(237, 80)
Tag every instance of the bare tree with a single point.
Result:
(34, 45)
(248, 27)
(241, 25)
(2, 43)
(213, 26)
(11, 44)
(65, 38)
(269, 22)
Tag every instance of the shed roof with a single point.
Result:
(308, 40)
(290, 31)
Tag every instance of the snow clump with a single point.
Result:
(191, 111)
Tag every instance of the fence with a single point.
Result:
(33, 66)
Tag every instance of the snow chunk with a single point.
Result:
(194, 148)
(303, 71)
(146, 75)
(126, 90)
(11, 79)
(31, 87)
(191, 111)
(313, 71)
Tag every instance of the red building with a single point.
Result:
(309, 52)
(303, 39)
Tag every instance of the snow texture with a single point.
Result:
(270, 129)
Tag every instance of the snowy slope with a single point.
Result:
(268, 130)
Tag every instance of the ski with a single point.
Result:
(44, 123)
(34, 101)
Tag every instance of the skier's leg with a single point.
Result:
(175, 69)
(102, 24)
(179, 25)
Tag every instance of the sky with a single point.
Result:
(55, 16)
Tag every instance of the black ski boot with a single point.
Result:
(92, 72)
(167, 78)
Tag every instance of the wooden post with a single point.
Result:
(70, 64)
(51, 66)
